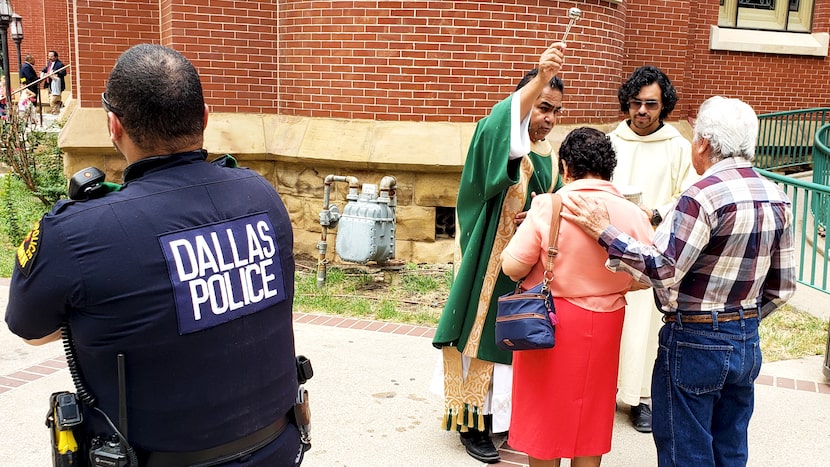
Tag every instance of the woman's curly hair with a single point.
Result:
(587, 151)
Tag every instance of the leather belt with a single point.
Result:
(222, 453)
(702, 318)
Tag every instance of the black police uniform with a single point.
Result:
(188, 270)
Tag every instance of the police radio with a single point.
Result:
(70, 445)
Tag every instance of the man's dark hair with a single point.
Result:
(587, 151)
(157, 95)
(52, 52)
(555, 82)
(644, 76)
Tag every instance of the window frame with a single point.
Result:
(732, 15)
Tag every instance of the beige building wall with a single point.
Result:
(297, 153)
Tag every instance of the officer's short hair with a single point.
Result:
(157, 95)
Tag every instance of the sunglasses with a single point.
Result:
(637, 103)
(108, 107)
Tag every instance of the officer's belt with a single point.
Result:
(222, 453)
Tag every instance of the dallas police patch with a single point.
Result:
(223, 271)
(27, 251)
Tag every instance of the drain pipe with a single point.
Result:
(328, 218)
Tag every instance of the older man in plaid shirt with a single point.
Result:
(721, 262)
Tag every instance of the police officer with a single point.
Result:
(187, 271)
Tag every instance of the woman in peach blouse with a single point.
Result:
(564, 398)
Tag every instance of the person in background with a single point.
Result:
(508, 161)
(55, 74)
(654, 161)
(187, 270)
(723, 260)
(28, 75)
(564, 397)
(2, 96)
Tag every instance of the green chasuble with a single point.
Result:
(492, 191)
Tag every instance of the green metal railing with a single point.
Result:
(821, 175)
(785, 139)
(811, 245)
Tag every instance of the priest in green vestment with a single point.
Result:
(507, 162)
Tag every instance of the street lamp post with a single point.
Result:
(5, 19)
(16, 28)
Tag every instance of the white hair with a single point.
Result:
(729, 125)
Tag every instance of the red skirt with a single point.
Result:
(564, 398)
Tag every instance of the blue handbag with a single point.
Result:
(526, 320)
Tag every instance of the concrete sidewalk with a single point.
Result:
(371, 405)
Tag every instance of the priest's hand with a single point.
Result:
(520, 217)
(551, 60)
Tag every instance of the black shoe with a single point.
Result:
(479, 446)
(641, 418)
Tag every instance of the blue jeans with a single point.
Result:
(702, 392)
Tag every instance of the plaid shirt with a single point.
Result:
(728, 244)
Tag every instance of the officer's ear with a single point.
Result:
(114, 127)
(207, 111)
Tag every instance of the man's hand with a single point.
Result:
(587, 213)
(520, 217)
(551, 61)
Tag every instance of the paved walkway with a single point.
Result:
(371, 405)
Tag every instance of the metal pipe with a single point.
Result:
(388, 185)
(322, 245)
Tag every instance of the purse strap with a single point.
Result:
(553, 238)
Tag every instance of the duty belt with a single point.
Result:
(698, 318)
(222, 453)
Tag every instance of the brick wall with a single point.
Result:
(46, 26)
(232, 44)
(439, 60)
(234, 47)
(418, 60)
(768, 82)
(657, 33)
(105, 29)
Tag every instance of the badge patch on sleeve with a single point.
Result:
(27, 251)
(223, 271)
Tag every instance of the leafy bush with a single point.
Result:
(35, 181)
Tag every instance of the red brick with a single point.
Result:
(11, 382)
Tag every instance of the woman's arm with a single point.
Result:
(513, 268)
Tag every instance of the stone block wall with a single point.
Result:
(296, 154)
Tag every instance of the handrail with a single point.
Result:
(812, 248)
(790, 112)
(785, 139)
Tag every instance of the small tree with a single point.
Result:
(34, 157)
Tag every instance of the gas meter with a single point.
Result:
(366, 227)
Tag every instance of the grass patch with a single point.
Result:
(414, 294)
(790, 333)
